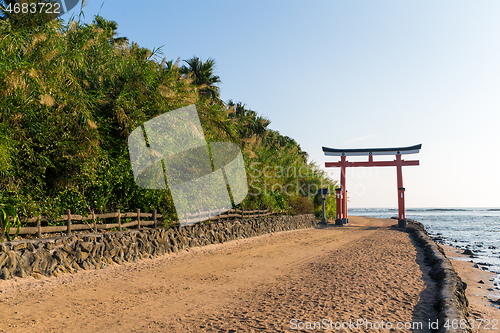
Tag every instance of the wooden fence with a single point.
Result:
(212, 215)
(91, 224)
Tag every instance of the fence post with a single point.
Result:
(154, 219)
(68, 222)
(39, 227)
(119, 219)
(138, 211)
(94, 223)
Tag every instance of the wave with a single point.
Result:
(445, 210)
(418, 209)
(377, 210)
(460, 209)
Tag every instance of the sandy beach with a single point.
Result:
(480, 287)
(365, 272)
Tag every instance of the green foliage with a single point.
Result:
(202, 74)
(330, 206)
(69, 98)
(8, 212)
(5, 154)
(70, 94)
(281, 204)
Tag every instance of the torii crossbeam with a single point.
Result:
(343, 164)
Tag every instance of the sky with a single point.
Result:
(352, 74)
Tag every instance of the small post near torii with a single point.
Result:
(343, 164)
(323, 192)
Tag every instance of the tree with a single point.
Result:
(202, 74)
(69, 97)
(110, 27)
(249, 122)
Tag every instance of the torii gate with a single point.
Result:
(343, 164)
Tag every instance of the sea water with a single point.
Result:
(477, 229)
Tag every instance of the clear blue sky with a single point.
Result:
(352, 74)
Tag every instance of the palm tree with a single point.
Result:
(202, 74)
(110, 27)
(250, 123)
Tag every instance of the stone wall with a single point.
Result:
(451, 302)
(67, 254)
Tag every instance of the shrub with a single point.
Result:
(301, 205)
(7, 212)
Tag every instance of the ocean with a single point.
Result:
(477, 229)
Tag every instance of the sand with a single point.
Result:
(272, 283)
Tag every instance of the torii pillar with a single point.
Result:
(343, 164)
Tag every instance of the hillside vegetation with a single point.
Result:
(70, 94)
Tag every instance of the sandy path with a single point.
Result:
(362, 271)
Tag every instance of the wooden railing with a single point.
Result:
(215, 215)
(92, 224)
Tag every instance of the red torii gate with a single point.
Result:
(343, 164)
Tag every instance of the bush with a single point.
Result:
(7, 212)
(301, 205)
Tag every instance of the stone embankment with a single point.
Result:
(451, 302)
(67, 254)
